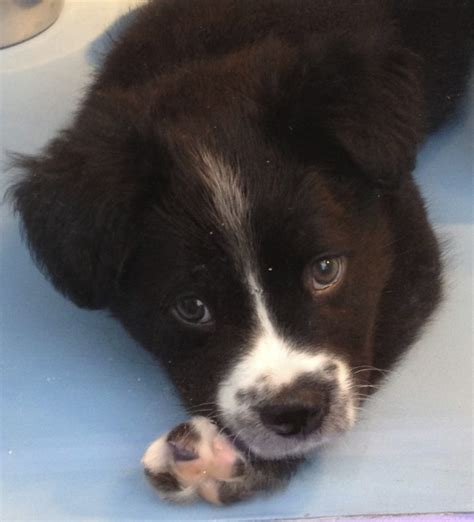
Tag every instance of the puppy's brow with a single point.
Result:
(224, 183)
(230, 208)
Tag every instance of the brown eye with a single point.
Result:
(326, 272)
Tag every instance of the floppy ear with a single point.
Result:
(363, 97)
(81, 201)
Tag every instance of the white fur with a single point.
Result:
(230, 207)
(157, 456)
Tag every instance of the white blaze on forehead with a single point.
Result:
(224, 185)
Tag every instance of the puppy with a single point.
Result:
(236, 189)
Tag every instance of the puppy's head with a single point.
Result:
(263, 280)
(232, 215)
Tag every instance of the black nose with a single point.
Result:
(292, 420)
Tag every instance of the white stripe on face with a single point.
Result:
(230, 207)
(270, 365)
(271, 361)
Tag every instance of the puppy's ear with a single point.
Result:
(363, 97)
(81, 201)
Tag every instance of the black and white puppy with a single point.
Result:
(236, 188)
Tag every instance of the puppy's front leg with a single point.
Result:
(195, 460)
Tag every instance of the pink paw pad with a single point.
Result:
(191, 461)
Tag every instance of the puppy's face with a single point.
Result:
(261, 277)
(230, 215)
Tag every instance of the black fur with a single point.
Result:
(321, 106)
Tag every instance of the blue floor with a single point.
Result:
(80, 401)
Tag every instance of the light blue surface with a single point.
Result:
(80, 401)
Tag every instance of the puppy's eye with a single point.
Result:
(190, 309)
(326, 272)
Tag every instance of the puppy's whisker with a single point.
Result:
(362, 369)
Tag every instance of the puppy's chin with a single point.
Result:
(252, 436)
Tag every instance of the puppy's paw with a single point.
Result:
(193, 460)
